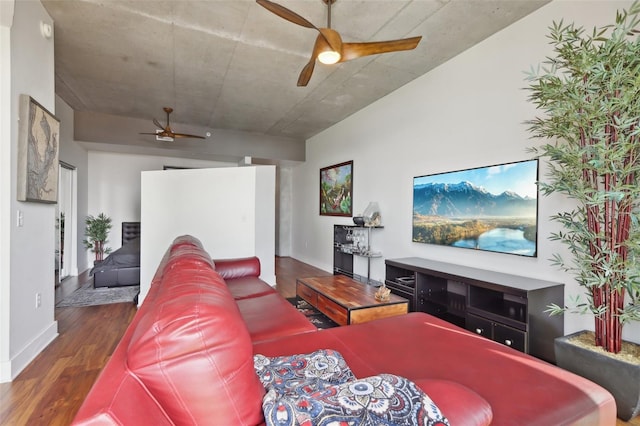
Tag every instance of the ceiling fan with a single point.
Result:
(329, 48)
(164, 133)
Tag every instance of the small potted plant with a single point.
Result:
(589, 93)
(96, 233)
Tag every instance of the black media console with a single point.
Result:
(503, 307)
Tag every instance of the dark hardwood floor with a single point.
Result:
(51, 389)
(288, 269)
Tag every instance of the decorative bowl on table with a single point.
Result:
(383, 293)
(358, 220)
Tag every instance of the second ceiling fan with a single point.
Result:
(165, 133)
(329, 48)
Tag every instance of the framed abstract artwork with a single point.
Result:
(336, 189)
(38, 148)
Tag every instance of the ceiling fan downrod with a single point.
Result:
(329, 3)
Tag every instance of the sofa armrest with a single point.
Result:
(238, 267)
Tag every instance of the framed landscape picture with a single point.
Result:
(38, 147)
(336, 189)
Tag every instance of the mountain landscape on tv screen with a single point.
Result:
(467, 215)
(464, 199)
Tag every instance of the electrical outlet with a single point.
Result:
(20, 219)
(38, 300)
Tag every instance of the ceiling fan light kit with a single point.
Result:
(329, 57)
(329, 48)
(161, 138)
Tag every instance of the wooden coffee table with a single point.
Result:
(347, 301)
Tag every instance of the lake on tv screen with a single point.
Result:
(501, 240)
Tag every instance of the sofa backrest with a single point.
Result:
(189, 349)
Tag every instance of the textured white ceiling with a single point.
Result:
(233, 65)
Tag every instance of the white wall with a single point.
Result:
(264, 209)
(114, 187)
(468, 112)
(230, 210)
(284, 211)
(26, 329)
(6, 153)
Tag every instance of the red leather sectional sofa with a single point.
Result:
(187, 357)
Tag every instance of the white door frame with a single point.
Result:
(70, 208)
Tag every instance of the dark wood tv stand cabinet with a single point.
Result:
(503, 307)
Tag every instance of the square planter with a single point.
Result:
(620, 378)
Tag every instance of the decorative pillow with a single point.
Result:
(303, 373)
(378, 400)
(320, 389)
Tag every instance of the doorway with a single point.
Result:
(66, 223)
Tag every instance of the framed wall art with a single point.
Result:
(38, 148)
(336, 189)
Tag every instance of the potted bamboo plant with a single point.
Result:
(589, 93)
(96, 235)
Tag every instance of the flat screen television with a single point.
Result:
(493, 208)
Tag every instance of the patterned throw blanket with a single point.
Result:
(320, 389)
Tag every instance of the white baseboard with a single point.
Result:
(5, 371)
(9, 370)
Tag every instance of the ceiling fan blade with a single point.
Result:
(358, 50)
(186, 135)
(285, 13)
(291, 16)
(307, 71)
(157, 123)
(154, 134)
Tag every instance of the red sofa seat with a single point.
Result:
(267, 317)
(265, 313)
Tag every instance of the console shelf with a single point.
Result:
(502, 307)
(349, 241)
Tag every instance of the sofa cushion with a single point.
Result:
(270, 316)
(247, 287)
(194, 354)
